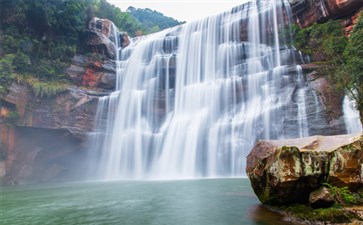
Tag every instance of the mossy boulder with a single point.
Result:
(285, 172)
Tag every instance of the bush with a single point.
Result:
(6, 72)
(45, 89)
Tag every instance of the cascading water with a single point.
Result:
(191, 101)
(351, 116)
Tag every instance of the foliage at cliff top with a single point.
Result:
(39, 37)
(152, 20)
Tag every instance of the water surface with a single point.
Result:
(195, 202)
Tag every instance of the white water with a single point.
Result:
(191, 101)
(351, 116)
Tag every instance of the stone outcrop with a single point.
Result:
(92, 72)
(307, 12)
(287, 171)
(72, 110)
(102, 35)
(41, 138)
(332, 98)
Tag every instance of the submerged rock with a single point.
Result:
(287, 171)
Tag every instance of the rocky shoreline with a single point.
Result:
(356, 212)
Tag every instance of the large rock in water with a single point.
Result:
(287, 171)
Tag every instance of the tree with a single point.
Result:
(351, 73)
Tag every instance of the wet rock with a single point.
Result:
(108, 81)
(287, 171)
(321, 198)
(331, 97)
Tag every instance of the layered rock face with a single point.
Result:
(307, 12)
(287, 171)
(42, 138)
(91, 72)
(73, 110)
(42, 141)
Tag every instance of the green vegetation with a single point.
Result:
(350, 74)
(343, 195)
(151, 20)
(324, 42)
(38, 38)
(45, 89)
(341, 58)
(12, 116)
(333, 214)
(6, 71)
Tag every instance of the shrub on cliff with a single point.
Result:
(341, 59)
(351, 73)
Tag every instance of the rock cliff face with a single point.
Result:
(307, 12)
(42, 138)
(287, 171)
(46, 136)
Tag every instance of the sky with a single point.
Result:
(182, 10)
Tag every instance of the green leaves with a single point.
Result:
(353, 66)
(151, 20)
(6, 72)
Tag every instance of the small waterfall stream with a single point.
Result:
(192, 100)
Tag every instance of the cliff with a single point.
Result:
(43, 137)
(308, 12)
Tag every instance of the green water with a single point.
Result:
(194, 202)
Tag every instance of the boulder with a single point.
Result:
(321, 198)
(101, 37)
(287, 171)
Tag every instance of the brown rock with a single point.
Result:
(73, 110)
(306, 13)
(331, 97)
(321, 198)
(92, 72)
(287, 171)
(101, 37)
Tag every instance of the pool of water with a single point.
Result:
(194, 202)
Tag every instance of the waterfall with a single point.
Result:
(192, 100)
(351, 116)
